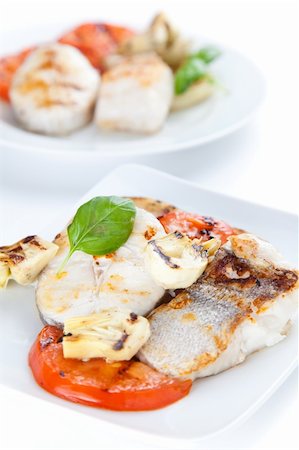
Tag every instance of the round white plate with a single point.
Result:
(225, 112)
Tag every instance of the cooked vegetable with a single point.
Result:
(4, 274)
(8, 67)
(25, 259)
(192, 70)
(161, 37)
(196, 93)
(175, 261)
(113, 334)
(196, 226)
(195, 68)
(96, 41)
(122, 386)
(208, 54)
(118, 33)
(101, 226)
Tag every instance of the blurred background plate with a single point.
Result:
(233, 104)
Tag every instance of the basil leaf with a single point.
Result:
(101, 226)
(208, 54)
(192, 70)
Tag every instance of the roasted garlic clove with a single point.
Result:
(113, 334)
(176, 262)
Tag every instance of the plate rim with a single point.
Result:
(164, 149)
(145, 167)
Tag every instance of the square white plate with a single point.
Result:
(215, 403)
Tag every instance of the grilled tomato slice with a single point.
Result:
(196, 226)
(8, 67)
(96, 41)
(122, 386)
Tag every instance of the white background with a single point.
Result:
(259, 163)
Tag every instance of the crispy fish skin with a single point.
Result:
(157, 207)
(238, 306)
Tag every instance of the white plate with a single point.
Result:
(218, 116)
(215, 403)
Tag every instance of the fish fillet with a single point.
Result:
(135, 95)
(54, 90)
(90, 284)
(242, 303)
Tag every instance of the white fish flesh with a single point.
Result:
(54, 90)
(90, 284)
(135, 95)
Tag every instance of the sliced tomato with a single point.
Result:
(96, 41)
(122, 386)
(119, 34)
(8, 67)
(196, 226)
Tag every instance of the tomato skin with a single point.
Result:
(8, 67)
(196, 226)
(93, 41)
(121, 386)
(119, 34)
(96, 41)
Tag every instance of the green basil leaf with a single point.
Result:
(101, 226)
(192, 70)
(208, 54)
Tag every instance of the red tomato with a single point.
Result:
(96, 41)
(196, 226)
(118, 34)
(8, 67)
(122, 386)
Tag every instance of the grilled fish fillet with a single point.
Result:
(54, 90)
(242, 303)
(135, 95)
(90, 284)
